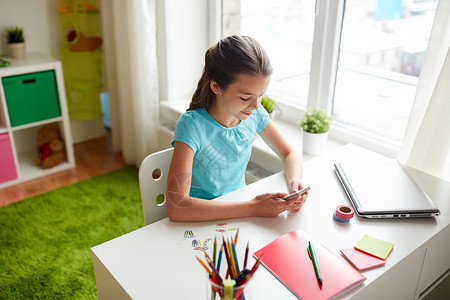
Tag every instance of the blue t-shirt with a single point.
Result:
(221, 154)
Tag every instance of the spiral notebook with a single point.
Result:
(288, 260)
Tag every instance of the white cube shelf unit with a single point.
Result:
(32, 95)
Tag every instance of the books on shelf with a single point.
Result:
(287, 259)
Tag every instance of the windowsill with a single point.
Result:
(294, 135)
(264, 159)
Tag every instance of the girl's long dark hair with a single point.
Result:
(225, 60)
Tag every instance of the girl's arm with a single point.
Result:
(182, 207)
(292, 162)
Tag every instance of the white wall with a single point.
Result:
(186, 37)
(186, 40)
(38, 18)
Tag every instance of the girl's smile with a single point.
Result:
(238, 101)
(247, 113)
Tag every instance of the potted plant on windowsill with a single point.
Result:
(315, 124)
(15, 42)
(269, 104)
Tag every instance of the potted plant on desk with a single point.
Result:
(16, 42)
(315, 124)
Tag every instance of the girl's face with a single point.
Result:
(242, 97)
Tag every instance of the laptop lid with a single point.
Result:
(381, 188)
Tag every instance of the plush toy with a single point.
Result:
(50, 146)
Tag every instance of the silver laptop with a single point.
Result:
(383, 189)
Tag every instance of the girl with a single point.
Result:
(213, 139)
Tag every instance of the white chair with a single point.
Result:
(152, 184)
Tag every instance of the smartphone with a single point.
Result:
(293, 195)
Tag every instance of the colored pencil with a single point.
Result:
(233, 264)
(219, 261)
(204, 266)
(216, 286)
(246, 257)
(256, 265)
(208, 259)
(215, 272)
(236, 236)
(213, 264)
(214, 250)
(227, 256)
(236, 263)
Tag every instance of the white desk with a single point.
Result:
(157, 262)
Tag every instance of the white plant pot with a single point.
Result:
(314, 143)
(17, 50)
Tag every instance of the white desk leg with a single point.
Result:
(107, 285)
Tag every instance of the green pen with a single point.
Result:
(313, 257)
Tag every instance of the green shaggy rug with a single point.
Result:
(45, 240)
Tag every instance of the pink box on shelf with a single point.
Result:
(7, 166)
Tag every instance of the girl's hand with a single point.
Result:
(298, 202)
(270, 204)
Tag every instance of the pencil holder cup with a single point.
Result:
(228, 290)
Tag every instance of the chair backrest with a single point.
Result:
(152, 184)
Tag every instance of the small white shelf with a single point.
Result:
(28, 170)
(23, 138)
(37, 124)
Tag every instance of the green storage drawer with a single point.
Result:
(31, 97)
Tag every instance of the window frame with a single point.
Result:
(324, 66)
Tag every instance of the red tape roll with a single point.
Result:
(345, 212)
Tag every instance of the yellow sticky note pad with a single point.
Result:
(374, 246)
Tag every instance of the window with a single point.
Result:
(381, 53)
(365, 64)
(285, 29)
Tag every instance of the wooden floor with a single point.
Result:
(92, 158)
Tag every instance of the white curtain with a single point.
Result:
(132, 76)
(426, 145)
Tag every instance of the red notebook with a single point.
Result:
(288, 260)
